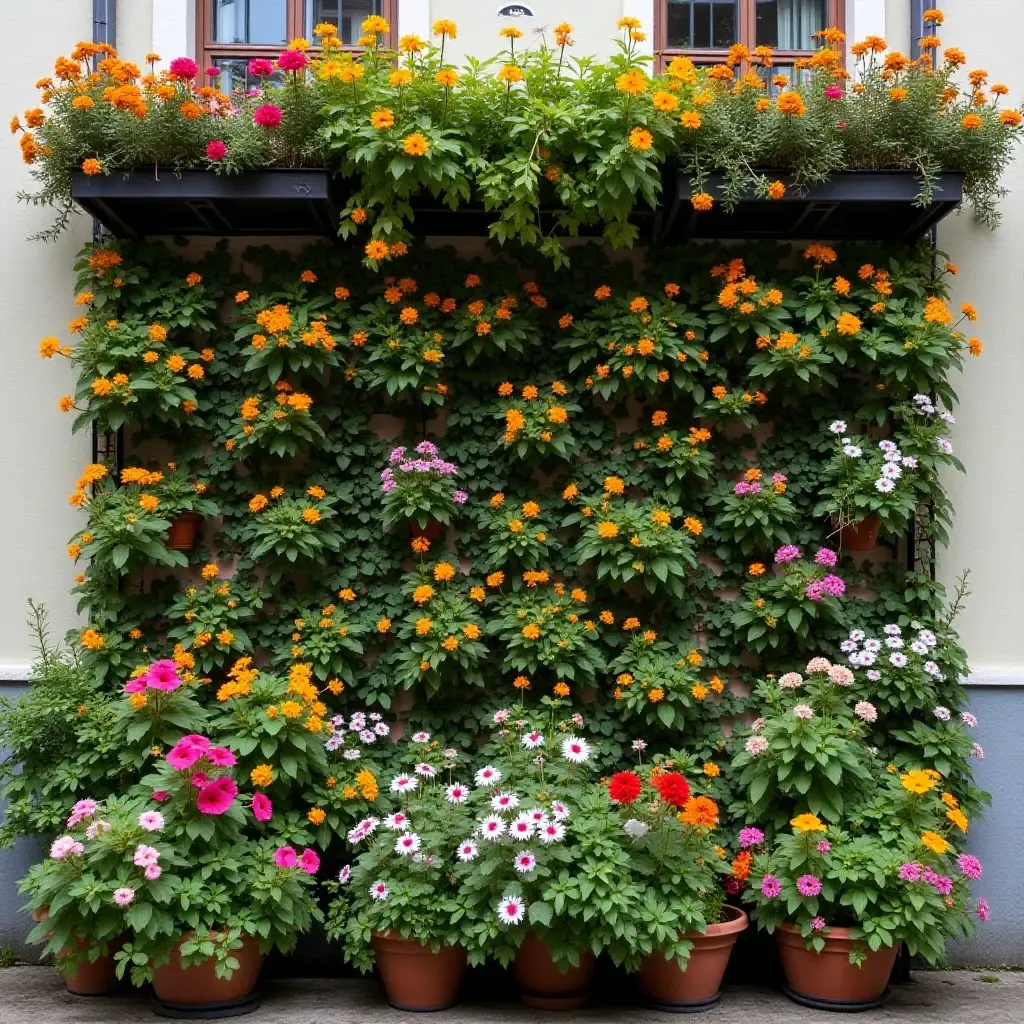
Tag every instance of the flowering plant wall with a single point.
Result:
(532, 128)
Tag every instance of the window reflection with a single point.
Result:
(701, 24)
(250, 21)
(790, 24)
(348, 15)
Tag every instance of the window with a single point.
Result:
(231, 32)
(704, 30)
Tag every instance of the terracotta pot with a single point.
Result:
(666, 987)
(91, 977)
(199, 989)
(860, 536)
(432, 531)
(183, 531)
(415, 978)
(543, 984)
(827, 980)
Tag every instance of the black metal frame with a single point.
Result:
(278, 201)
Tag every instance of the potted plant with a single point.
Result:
(867, 859)
(877, 486)
(181, 500)
(396, 906)
(418, 489)
(754, 513)
(674, 856)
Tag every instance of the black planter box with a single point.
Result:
(159, 202)
(850, 206)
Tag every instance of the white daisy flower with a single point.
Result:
(533, 740)
(898, 659)
(521, 827)
(551, 832)
(559, 811)
(421, 737)
(537, 815)
(487, 776)
(404, 783)
(837, 426)
(352, 754)
(636, 829)
(407, 844)
(426, 771)
(575, 750)
(504, 801)
(492, 827)
(367, 736)
(379, 892)
(397, 822)
(853, 451)
(856, 635)
(884, 484)
(525, 862)
(871, 644)
(456, 793)
(511, 910)
(467, 851)
(345, 874)
(382, 729)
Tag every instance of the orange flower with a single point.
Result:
(702, 202)
(791, 103)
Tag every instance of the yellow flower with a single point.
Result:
(934, 842)
(444, 27)
(958, 818)
(711, 770)
(510, 73)
(262, 775)
(382, 118)
(632, 83)
(807, 823)
(664, 101)
(690, 119)
(917, 782)
(317, 815)
(641, 139)
(448, 77)
(655, 694)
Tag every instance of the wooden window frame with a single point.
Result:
(747, 31)
(207, 50)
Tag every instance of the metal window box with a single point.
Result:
(268, 202)
(849, 206)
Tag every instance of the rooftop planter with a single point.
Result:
(266, 202)
(849, 206)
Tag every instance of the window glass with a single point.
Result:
(348, 15)
(701, 24)
(259, 22)
(790, 24)
(234, 75)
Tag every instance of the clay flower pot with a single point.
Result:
(666, 987)
(827, 980)
(91, 977)
(194, 991)
(432, 531)
(183, 531)
(860, 536)
(543, 984)
(415, 978)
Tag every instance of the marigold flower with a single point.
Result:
(632, 83)
(702, 202)
(791, 103)
(641, 140)
(807, 823)
(972, 122)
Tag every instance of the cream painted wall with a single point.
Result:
(40, 461)
(989, 435)
(134, 30)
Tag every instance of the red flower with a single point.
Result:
(184, 67)
(216, 150)
(292, 60)
(260, 67)
(267, 116)
(212, 72)
(672, 787)
(624, 787)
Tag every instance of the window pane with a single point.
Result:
(250, 21)
(234, 77)
(701, 24)
(348, 15)
(790, 24)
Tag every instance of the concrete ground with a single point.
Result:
(34, 995)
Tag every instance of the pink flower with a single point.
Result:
(910, 872)
(200, 779)
(220, 756)
(145, 856)
(184, 67)
(262, 808)
(153, 872)
(216, 150)
(65, 846)
(983, 910)
(135, 685)
(197, 741)
(818, 923)
(124, 896)
(741, 488)
(160, 795)
(787, 553)
(826, 556)
(285, 857)
(969, 866)
(808, 885)
(163, 675)
(267, 116)
(824, 846)
(183, 755)
(770, 887)
(216, 796)
(750, 836)
(151, 821)
(833, 586)
(833, 92)
(212, 72)
(260, 67)
(309, 862)
(943, 885)
(292, 60)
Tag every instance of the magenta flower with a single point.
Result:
(770, 887)
(750, 836)
(267, 116)
(834, 92)
(184, 67)
(285, 857)
(163, 675)
(309, 862)
(216, 797)
(969, 866)
(216, 150)
(983, 910)
(817, 924)
(212, 72)
(160, 795)
(826, 556)
(135, 685)
(787, 553)
(460, 497)
(200, 779)
(183, 755)
(260, 67)
(292, 60)
(201, 743)
(833, 586)
(262, 808)
(741, 488)
(814, 592)
(220, 756)
(824, 846)
(808, 885)
(943, 885)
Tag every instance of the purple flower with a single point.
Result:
(826, 556)
(741, 488)
(910, 871)
(833, 586)
(834, 92)
(969, 866)
(814, 592)
(818, 923)
(460, 497)
(786, 553)
(751, 836)
(824, 846)
(755, 488)
(426, 448)
(929, 876)
(808, 885)
(943, 885)
(770, 887)
(396, 454)
(983, 910)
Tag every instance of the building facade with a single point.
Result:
(42, 457)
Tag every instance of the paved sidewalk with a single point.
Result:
(34, 995)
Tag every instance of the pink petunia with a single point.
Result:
(184, 67)
(262, 808)
(216, 797)
(309, 862)
(135, 685)
(285, 857)
(163, 675)
(220, 756)
(160, 795)
(183, 755)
